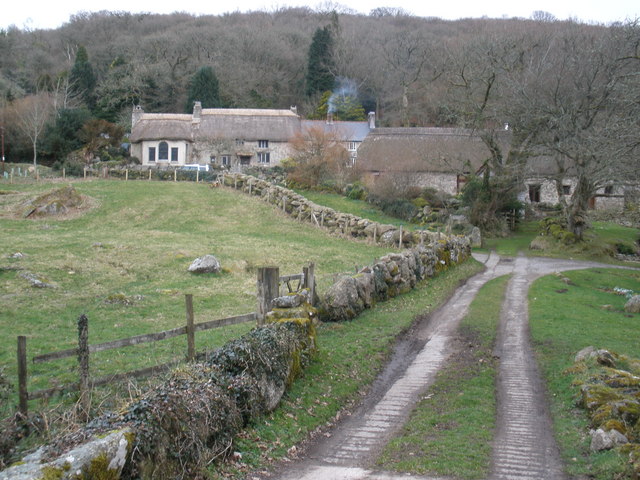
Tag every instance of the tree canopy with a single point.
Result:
(204, 88)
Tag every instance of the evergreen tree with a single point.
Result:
(82, 78)
(320, 77)
(62, 136)
(204, 88)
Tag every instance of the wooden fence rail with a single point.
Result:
(83, 351)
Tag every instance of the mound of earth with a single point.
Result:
(54, 203)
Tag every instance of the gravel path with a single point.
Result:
(524, 448)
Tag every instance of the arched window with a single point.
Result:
(163, 151)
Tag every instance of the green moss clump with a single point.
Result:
(51, 473)
(99, 469)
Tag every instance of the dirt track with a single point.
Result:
(524, 447)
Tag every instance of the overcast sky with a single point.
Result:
(52, 14)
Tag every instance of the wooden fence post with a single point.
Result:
(23, 406)
(268, 289)
(400, 239)
(85, 172)
(198, 176)
(83, 363)
(175, 174)
(191, 341)
(149, 174)
(64, 173)
(310, 281)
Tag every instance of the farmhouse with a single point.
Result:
(444, 158)
(439, 158)
(544, 185)
(231, 138)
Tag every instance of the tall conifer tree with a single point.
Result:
(204, 87)
(82, 78)
(320, 76)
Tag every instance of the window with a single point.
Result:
(534, 193)
(152, 154)
(245, 160)
(226, 160)
(263, 143)
(264, 157)
(239, 142)
(212, 159)
(353, 146)
(608, 190)
(566, 189)
(174, 154)
(163, 151)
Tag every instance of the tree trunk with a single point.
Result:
(577, 212)
(35, 153)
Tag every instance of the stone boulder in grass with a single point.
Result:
(53, 203)
(206, 264)
(633, 305)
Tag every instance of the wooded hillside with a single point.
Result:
(260, 58)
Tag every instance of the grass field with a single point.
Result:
(124, 264)
(564, 319)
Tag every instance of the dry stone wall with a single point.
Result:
(389, 276)
(177, 428)
(335, 222)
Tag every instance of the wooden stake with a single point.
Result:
(310, 281)
(23, 406)
(191, 341)
(83, 364)
(268, 289)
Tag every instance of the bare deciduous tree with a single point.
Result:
(32, 114)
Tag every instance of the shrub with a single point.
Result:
(356, 191)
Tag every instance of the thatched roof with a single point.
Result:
(245, 124)
(443, 150)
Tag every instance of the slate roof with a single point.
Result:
(343, 131)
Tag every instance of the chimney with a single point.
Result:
(372, 120)
(136, 115)
(197, 110)
(329, 118)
